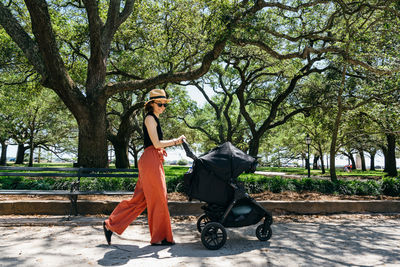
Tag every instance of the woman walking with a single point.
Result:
(150, 191)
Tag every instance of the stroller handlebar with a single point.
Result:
(189, 153)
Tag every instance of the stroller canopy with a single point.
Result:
(226, 161)
(212, 174)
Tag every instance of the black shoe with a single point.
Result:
(163, 243)
(107, 233)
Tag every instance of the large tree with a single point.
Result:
(184, 57)
(122, 121)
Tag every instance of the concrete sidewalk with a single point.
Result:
(323, 241)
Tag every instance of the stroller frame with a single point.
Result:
(212, 223)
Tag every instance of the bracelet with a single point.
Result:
(174, 142)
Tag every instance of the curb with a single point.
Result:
(179, 208)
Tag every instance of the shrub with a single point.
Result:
(182, 162)
(10, 182)
(278, 184)
(391, 186)
(108, 184)
(174, 184)
(252, 183)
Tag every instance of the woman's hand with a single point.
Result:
(180, 139)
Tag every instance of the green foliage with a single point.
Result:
(182, 162)
(277, 184)
(108, 184)
(175, 184)
(15, 182)
(253, 184)
(391, 186)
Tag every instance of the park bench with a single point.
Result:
(74, 191)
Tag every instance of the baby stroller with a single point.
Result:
(213, 179)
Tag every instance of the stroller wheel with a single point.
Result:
(202, 221)
(213, 236)
(263, 233)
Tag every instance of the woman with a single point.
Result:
(150, 191)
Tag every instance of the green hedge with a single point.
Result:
(277, 184)
(252, 183)
(87, 184)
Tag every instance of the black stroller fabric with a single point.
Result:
(211, 175)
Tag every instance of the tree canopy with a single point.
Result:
(268, 63)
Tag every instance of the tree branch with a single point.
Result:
(23, 40)
(204, 131)
(219, 45)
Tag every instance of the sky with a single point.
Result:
(196, 95)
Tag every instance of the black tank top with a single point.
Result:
(147, 140)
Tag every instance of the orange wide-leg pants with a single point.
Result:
(151, 193)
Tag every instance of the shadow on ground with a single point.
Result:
(293, 244)
(341, 242)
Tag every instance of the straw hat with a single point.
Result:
(158, 94)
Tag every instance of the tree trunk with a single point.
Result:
(372, 162)
(336, 126)
(385, 158)
(254, 146)
(20, 154)
(315, 162)
(321, 155)
(362, 156)
(135, 153)
(92, 147)
(121, 152)
(31, 150)
(353, 161)
(390, 156)
(322, 165)
(332, 163)
(3, 158)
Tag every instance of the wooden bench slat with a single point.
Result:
(38, 169)
(109, 175)
(109, 193)
(39, 174)
(66, 172)
(34, 192)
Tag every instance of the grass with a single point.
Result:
(171, 171)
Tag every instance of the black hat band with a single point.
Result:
(155, 97)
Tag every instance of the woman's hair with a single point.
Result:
(148, 107)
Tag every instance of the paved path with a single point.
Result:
(335, 242)
(286, 175)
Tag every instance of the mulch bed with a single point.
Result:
(284, 196)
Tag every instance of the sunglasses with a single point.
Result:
(160, 105)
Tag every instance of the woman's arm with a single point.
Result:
(151, 126)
